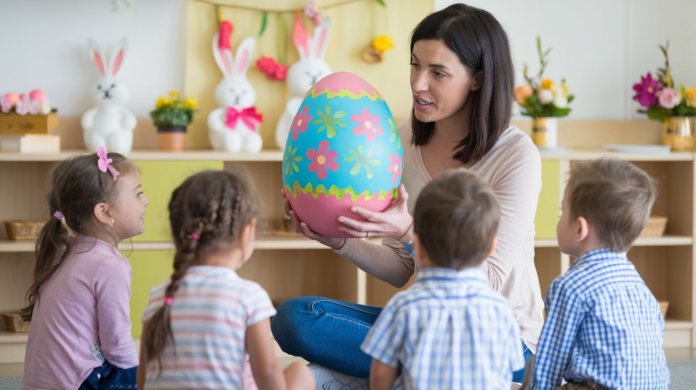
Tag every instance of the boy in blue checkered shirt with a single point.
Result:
(603, 328)
(449, 330)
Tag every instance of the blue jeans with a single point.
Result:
(329, 332)
(109, 376)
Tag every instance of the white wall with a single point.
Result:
(601, 47)
(43, 44)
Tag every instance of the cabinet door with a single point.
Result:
(159, 179)
(150, 268)
(549, 207)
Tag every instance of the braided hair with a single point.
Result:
(207, 213)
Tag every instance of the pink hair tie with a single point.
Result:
(168, 301)
(195, 236)
(104, 162)
(58, 215)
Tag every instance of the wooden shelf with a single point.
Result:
(261, 243)
(641, 241)
(678, 325)
(277, 155)
(576, 155)
(7, 337)
(156, 155)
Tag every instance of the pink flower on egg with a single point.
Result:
(668, 97)
(300, 123)
(322, 159)
(395, 166)
(368, 125)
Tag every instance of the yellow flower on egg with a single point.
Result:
(383, 43)
(191, 102)
(546, 84)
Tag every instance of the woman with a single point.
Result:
(462, 78)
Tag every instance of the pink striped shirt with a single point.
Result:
(209, 314)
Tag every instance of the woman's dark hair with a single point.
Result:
(207, 213)
(481, 44)
(77, 186)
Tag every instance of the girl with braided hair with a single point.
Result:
(200, 323)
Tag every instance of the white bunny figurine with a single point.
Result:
(110, 124)
(304, 73)
(234, 126)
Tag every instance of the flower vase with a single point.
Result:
(171, 138)
(678, 133)
(545, 132)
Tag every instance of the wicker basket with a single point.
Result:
(664, 305)
(14, 322)
(655, 227)
(23, 230)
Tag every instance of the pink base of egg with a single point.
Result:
(321, 214)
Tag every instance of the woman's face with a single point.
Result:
(439, 81)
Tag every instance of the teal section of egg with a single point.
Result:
(347, 144)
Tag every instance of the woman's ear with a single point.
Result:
(102, 212)
(476, 81)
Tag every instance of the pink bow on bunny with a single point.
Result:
(104, 162)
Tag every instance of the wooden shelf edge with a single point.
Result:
(277, 155)
(7, 337)
(576, 155)
(641, 241)
(264, 243)
(678, 325)
(155, 155)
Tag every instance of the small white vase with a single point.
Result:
(545, 132)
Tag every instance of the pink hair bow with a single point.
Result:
(104, 162)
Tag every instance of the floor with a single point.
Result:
(18, 368)
(670, 353)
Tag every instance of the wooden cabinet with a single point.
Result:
(289, 267)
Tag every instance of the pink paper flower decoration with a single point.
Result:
(322, 160)
(395, 166)
(646, 91)
(300, 123)
(6, 105)
(368, 125)
(669, 97)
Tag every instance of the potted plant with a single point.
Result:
(544, 101)
(674, 106)
(171, 116)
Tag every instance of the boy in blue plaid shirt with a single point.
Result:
(603, 328)
(449, 330)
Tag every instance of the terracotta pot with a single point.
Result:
(678, 133)
(172, 138)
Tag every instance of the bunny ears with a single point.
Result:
(99, 61)
(311, 47)
(223, 52)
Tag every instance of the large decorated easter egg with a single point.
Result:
(343, 150)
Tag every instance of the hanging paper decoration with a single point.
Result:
(272, 69)
(312, 13)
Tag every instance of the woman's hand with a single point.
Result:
(301, 227)
(393, 222)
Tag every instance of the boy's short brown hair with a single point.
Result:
(614, 196)
(456, 219)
